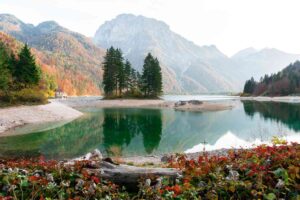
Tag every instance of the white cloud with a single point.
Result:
(231, 24)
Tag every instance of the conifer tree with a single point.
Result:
(127, 75)
(120, 71)
(5, 75)
(157, 78)
(151, 77)
(250, 86)
(109, 76)
(26, 73)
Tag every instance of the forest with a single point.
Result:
(21, 79)
(121, 80)
(283, 83)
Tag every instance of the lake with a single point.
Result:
(137, 131)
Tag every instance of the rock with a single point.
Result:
(195, 102)
(148, 182)
(166, 158)
(202, 184)
(65, 183)
(190, 102)
(50, 177)
(79, 184)
(158, 183)
(96, 155)
(233, 175)
(91, 189)
(38, 173)
(280, 183)
(23, 171)
(180, 103)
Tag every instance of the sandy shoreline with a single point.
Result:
(144, 103)
(285, 99)
(21, 115)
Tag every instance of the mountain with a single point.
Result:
(186, 67)
(256, 63)
(73, 58)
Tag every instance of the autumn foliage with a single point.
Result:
(264, 172)
(65, 70)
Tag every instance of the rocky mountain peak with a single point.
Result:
(49, 26)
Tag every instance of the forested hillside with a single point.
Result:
(285, 82)
(72, 58)
(21, 78)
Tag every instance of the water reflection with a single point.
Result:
(70, 140)
(128, 132)
(286, 113)
(121, 125)
(110, 130)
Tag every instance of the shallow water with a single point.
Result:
(136, 131)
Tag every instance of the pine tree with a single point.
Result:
(5, 75)
(109, 69)
(146, 75)
(120, 71)
(157, 78)
(26, 73)
(127, 75)
(133, 82)
(151, 77)
(250, 86)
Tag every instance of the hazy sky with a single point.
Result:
(229, 24)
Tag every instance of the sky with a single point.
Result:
(231, 25)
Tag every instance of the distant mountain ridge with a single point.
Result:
(138, 35)
(256, 63)
(187, 67)
(76, 59)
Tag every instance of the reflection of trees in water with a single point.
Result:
(68, 141)
(286, 113)
(121, 125)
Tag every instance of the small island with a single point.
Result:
(121, 80)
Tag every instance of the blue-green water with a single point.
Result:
(135, 131)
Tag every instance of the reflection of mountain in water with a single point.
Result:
(129, 132)
(286, 113)
(121, 125)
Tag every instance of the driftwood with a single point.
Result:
(124, 175)
(130, 176)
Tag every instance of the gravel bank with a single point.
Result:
(17, 116)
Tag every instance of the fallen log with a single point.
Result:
(130, 176)
(124, 175)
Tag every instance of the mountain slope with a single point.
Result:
(254, 63)
(286, 82)
(75, 60)
(189, 67)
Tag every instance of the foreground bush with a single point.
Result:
(260, 173)
(26, 95)
(265, 172)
